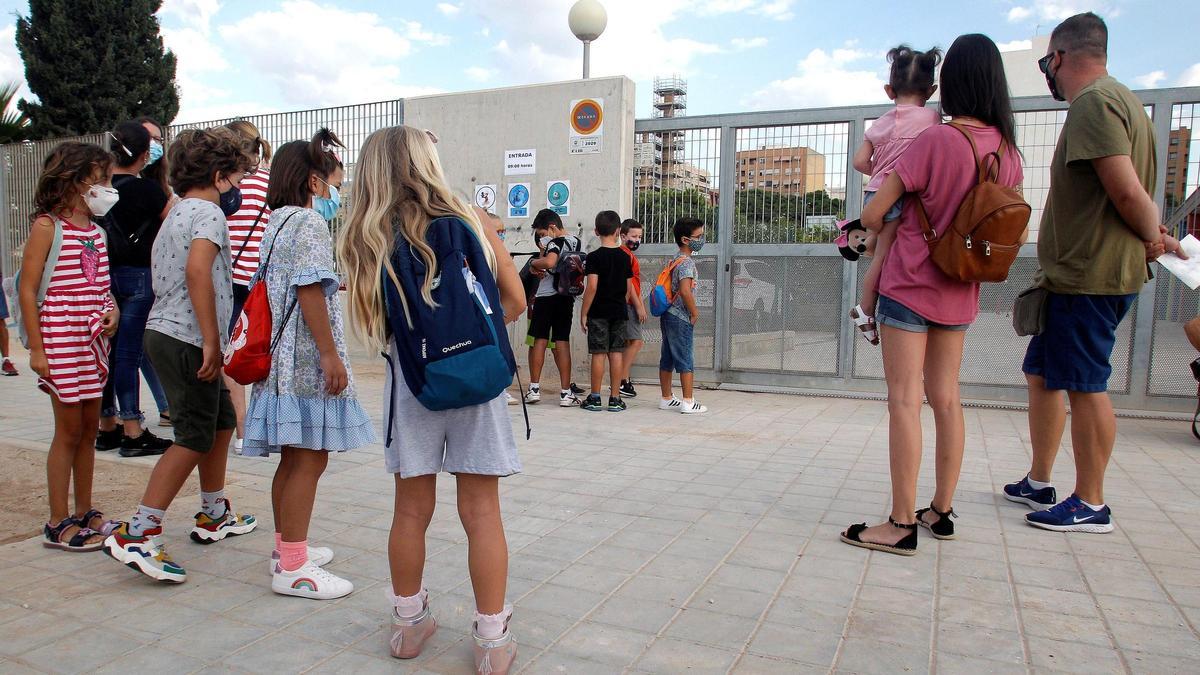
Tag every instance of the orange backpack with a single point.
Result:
(985, 235)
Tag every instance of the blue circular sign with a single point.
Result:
(558, 194)
(518, 196)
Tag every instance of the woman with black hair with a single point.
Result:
(131, 224)
(923, 313)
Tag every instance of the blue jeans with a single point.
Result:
(677, 344)
(134, 295)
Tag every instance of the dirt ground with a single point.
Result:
(23, 497)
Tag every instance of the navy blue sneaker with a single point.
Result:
(1072, 515)
(1022, 492)
(593, 403)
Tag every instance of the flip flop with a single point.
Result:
(865, 324)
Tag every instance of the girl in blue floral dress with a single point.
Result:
(306, 408)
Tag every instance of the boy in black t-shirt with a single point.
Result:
(609, 283)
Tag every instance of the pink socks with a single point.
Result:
(292, 555)
(491, 626)
(278, 539)
(408, 606)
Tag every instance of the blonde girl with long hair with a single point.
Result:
(398, 190)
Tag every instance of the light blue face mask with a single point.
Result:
(327, 206)
(156, 152)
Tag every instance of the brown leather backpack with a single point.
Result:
(982, 241)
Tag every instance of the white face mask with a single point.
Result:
(100, 199)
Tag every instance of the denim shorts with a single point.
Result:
(1073, 351)
(891, 313)
(892, 213)
(677, 344)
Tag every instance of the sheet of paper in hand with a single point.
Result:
(1188, 270)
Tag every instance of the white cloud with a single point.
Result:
(1190, 77)
(480, 74)
(841, 77)
(449, 9)
(1057, 10)
(778, 9)
(414, 32)
(742, 44)
(1019, 14)
(1015, 45)
(12, 68)
(357, 56)
(1150, 80)
(195, 13)
(772, 9)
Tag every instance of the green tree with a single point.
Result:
(657, 211)
(94, 63)
(13, 123)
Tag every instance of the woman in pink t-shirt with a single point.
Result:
(923, 313)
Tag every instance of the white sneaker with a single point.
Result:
(317, 555)
(512, 400)
(237, 446)
(310, 581)
(568, 400)
(533, 395)
(692, 409)
(673, 404)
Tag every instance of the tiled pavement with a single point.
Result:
(649, 542)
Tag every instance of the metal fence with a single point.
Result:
(774, 293)
(22, 162)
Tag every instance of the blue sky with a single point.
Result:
(277, 55)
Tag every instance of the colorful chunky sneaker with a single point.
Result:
(1022, 492)
(317, 555)
(409, 635)
(144, 553)
(593, 403)
(1072, 515)
(310, 581)
(616, 405)
(208, 530)
(495, 657)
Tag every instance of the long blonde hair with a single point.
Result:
(398, 189)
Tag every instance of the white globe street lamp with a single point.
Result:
(587, 20)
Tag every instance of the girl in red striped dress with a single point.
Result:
(69, 314)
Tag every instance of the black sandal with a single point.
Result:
(943, 527)
(78, 543)
(906, 546)
(107, 526)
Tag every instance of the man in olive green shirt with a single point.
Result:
(1099, 227)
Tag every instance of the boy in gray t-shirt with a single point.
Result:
(679, 322)
(173, 314)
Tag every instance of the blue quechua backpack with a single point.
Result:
(455, 354)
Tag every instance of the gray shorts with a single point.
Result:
(475, 440)
(633, 329)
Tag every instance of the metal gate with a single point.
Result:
(774, 293)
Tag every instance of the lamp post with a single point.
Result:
(587, 20)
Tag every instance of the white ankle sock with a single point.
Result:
(491, 626)
(689, 401)
(1037, 484)
(1093, 506)
(409, 606)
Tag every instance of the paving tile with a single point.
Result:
(89, 648)
(221, 637)
(640, 615)
(983, 643)
(1072, 657)
(867, 656)
(358, 663)
(730, 600)
(149, 659)
(34, 630)
(668, 655)
(338, 626)
(280, 652)
(780, 641)
(751, 664)
(711, 628)
(616, 647)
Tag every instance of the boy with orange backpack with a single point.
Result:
(677, 287)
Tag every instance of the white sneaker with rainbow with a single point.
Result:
(310, 581)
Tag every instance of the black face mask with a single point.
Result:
(633, 245)
(1053, 85)
(231, 201)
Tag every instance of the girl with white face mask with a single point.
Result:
(68, 315)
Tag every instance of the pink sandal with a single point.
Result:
(865, 324)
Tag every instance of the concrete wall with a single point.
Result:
(476, 128)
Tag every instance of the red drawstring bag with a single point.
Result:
(248, 357)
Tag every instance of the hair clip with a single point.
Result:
(432, 136)
(118, 141)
